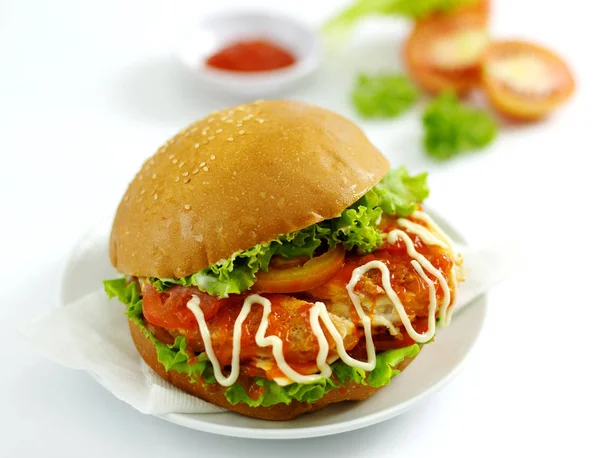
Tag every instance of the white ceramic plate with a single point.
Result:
(435, 366)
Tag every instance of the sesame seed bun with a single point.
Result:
(237, 178)
(215, 393)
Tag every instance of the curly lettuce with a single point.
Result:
(452, 128)
(384, 368)
(383, 95)
(397, 194)
(271, 393)
(172, 357)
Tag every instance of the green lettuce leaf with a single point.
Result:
(348, 374)
(384, 95)
(127, 293)
(172, 357)
(273, 394)
(175, 357)
(452, 127)
(399, 193)
(339, 27)
(383, 372)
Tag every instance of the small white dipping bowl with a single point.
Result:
(213, 33)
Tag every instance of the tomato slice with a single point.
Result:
(444, 52)
(525, 81)
(168, 309)
(295, 279)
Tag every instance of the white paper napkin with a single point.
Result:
(91, 334)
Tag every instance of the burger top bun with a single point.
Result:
(240, 177)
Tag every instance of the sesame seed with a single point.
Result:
(229, 121)
(205, 169)
(195, 171)
(242, 132)
(174, 161)
(202, 164)
(218, 131)
(126, 198)
(152, 161)
(177, 179)
(187, 207)
(154, 176)
(155, 196)
(205, 142)
(181, 164)
(171, 156)
(239, 124)
(185, 174)
(230, 139)
(212, 137)
(260, 120)
(212, 157)
(142, 192)
(186, 180)
(197, 145)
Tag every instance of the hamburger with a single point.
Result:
(273, 264)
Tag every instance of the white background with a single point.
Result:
(89, 89)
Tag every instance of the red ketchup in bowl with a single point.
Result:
(257, 55)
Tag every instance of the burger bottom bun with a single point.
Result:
(215, 393)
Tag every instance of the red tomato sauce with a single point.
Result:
(411, 289)
(251, 56)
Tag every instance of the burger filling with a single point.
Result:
(344, 300)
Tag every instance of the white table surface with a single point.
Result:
(89, 89)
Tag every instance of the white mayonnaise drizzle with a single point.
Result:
(437, 230)
(261, 340)
(319, 314)
(422, 232)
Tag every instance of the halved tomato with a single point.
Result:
(295, 279)
(525, 81)
(444, 52)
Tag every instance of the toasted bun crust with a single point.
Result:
(238, 178)
(215, 393)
